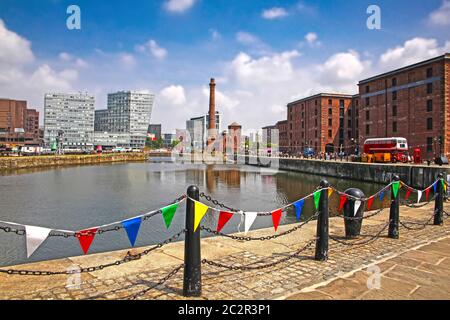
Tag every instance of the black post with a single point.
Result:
(322, 224)
(439, 202)
(394, 215)
(192, 281)
(353, 226)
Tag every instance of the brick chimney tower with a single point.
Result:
(212, 111)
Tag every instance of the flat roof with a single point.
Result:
(319, 95)
(406, 68)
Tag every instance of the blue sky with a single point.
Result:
(263, 53)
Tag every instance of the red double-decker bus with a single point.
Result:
(387, 149)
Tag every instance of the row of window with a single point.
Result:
(429, 74)
(394, 126)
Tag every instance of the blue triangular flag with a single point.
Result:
(298, 208)
(132, 228)
(434, 187)
(381, 195)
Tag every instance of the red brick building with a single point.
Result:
(18, 125)
(283, 141)
(411, 102)
(324, 122)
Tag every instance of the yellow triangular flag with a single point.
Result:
(330, 192)
(199, 211)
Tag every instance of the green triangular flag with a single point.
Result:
(395, 187)
(443, 184)
(168, 213)
(317, 198)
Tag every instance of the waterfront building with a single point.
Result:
(69, 120)
(283, 140)
(412, 102)
(111, 140)
(322, 122)
(127, 112)
(168, 139)
(19, 125)
(198, 129)
(155, 131)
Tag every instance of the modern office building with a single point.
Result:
(19, 125)
(198, 130)
(111, 140)
(168, 139)
(412, 102)
(69, 120)
(127, 112)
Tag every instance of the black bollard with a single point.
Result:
(322, 224)
(439, 202)
(192, 281)
(394, 212)
(353, 226)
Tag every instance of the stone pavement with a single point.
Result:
(414, 266)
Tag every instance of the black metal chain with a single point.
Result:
(370, 215)
(242, 238)
(128, 258)
(258, 267)
(422, 225)
(411, 204)
(63, 234)
(371, 239)
(160, 282)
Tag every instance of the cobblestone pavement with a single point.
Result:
(414, 266)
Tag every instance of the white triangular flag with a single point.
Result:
(35, 237)
(356, 207)
(249, 219)
(419, 195)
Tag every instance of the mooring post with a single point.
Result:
(353, 226)
(192, 281)
(394, 214)
(322, 224)
(439, 202)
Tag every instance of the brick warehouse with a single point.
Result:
(410, 102)
(323, 122)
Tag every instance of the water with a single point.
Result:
(79, 197)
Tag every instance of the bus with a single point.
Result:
(393, 149)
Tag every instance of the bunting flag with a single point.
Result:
(35, 237)
(369, 202)
(224, 217)
(408, 193)
(199, 212)
(434, 187)
(356, 207)
(444, 186)
(317, 199)
(342, 201)
(419, 195)
(381, 195)
(395, 187)
(330, 192)
(276, 216)
(249, 219)
(132, 228)
(86, 237)
(427, 193)
(298, 208)
(168, 213)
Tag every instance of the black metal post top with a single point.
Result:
(324, 183)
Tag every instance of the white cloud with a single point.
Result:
(441, 16)
(78, 62)
(255, 44)
(174, 95)
(64, 56)
(312, 39)
(127, 60)
(14, 50)
(153, 48)
(178, 6)
(274, 13)
(215, 35)
(412, 51)
(222, 100)
(246, 38)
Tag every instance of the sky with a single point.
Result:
(262, 53)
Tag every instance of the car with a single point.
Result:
(308, 152)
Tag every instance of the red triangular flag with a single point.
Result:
(276, 216)
(427, 192)
(408, 193)
(342, 201)
(86, 237)
(224, 216)
(369, 202)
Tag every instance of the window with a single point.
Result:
(429, 88)
(315, 102)
(394, 110)
(330, 122)
(429, 72)
(349, 134)
(315, 111)
(394, 95)
(330, 133)
(429, 105)
(349, 124)
(429, 123)
(429, 144)
(303, 124)
(303, 114)
(367, 89)
(315, 122)
(367, 115)
(330, 102)
(367, 129)
(394, 82)
(367, 101)
(330, 111)
(394, 126)
(315, 133)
